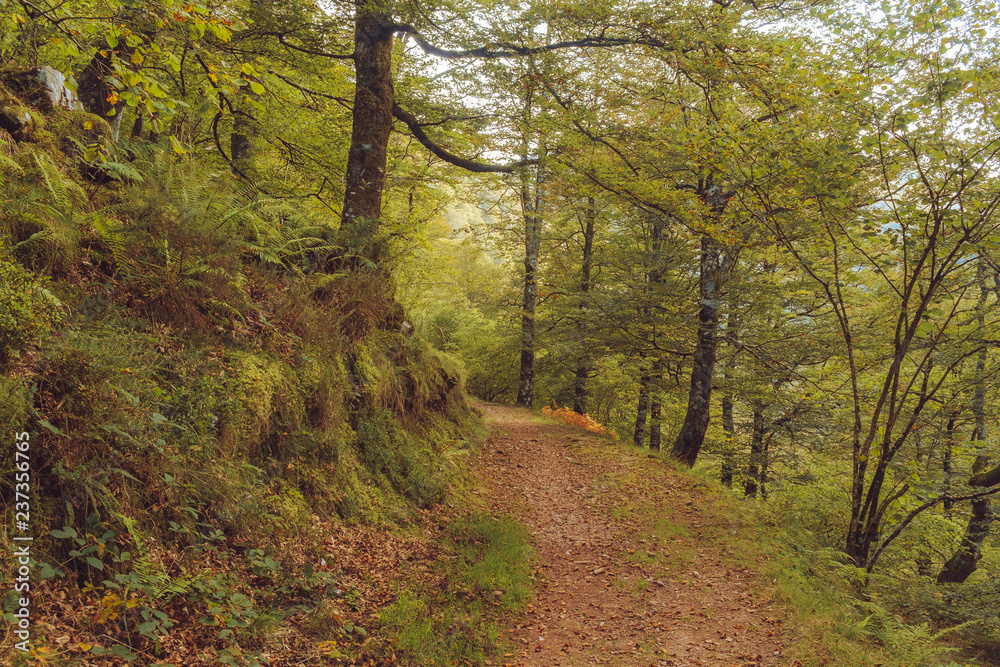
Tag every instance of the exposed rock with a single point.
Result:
(43, 88)
(14, 119)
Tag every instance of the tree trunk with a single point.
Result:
(765, 461)
(137, 127)
(965, 560)
(583, 366)
(711, 279)
(532, 205)
(728, 464)
(949, 445)
(92, 88)
(639, 433)
(244, 134)
(753, 481)
(655, 406)
(728, 428)
(371, 125)
(241, 145)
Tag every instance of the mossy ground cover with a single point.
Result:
(213, 415)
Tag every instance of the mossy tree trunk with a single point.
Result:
(372, 121)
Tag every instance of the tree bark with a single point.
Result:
(753, 481)
(243, 136)
(965, 560)
(655, 407)
(949, 445)
(532, 204)
(728, 464)
(728, 398)
(371, 125)
(240, 145)
(713, 269)
(639, 432)
(92, 88)
(583, 366)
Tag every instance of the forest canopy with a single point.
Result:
(761, 237)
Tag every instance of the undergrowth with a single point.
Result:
(205, 394)
(836, 613)
(844, 616)
(486, 572)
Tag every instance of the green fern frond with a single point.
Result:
(34, 241)
(221, 308)
(109, 231)
(10, 166)
(121, 171)
(65, 194)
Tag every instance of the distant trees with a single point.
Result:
(808, 225)
(904, 240)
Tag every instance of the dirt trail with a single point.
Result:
(632, 569)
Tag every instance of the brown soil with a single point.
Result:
(633, 567)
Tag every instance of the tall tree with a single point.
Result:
(966, 558)
(910, 234)
(584, 357)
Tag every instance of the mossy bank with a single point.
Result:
(205, 392)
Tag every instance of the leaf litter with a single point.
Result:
(630, 572)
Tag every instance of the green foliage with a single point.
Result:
(491, 575)
(43, 226)
(390, 455)
(497, 557)
(27, 307)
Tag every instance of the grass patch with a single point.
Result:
(486, 573)
(833, 617)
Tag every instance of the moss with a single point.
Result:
(325, 382)
(266, 395)
(80, 126)
(26, 308)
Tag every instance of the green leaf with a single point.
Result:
(256, 87)
(46, 571)
(47, 425)
(132, 397)
(94, 562)
(66, 531)
(177, 146)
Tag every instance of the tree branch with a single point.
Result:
(913, 514)
(308, 91)
(988, 478)
(515, 51)
(469, 165)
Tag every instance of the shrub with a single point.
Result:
(26, 308)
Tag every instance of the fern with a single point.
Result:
(47, 220)
(66, 195)
(120, 171)
(109, 232)
(10, 166)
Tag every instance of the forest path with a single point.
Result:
(633, 564)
